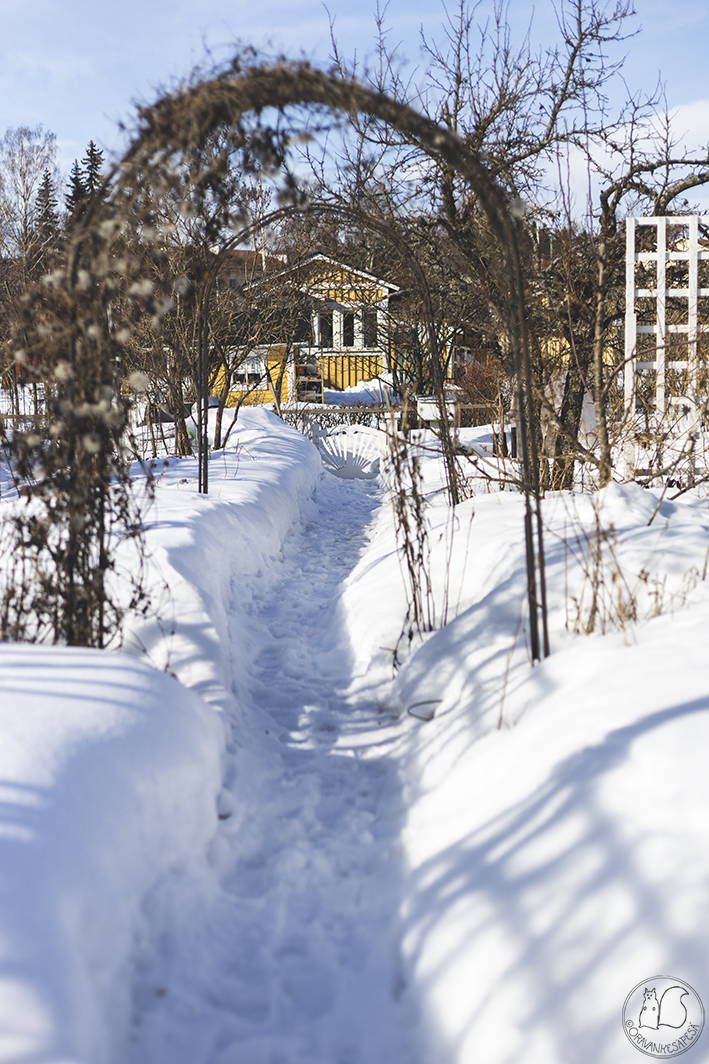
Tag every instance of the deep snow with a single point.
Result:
(108, 772)
(348, 883)
(288, 947)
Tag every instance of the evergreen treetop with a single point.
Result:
(46, 213)
(46, 225)
(85, 181)
(76, 195)
(92, 163)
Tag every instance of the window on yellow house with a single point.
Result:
(369, 328)
(348, 329)
(251, 372)
(325, 328)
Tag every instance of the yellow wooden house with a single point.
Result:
(346, 340)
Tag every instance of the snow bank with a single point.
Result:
(556, 818)
(107, 776)
(558, 826)
(209, 553)
(110, 770)
(375, 392)
(560, 860)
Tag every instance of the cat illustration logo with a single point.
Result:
(663, 1016)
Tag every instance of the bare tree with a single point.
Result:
(25, 156)
(523, 110)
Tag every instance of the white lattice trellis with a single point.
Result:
(676, 243)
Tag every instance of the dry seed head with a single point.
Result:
(138, 381)
(91, 442)
(63, 371)
(181, 286)
(142, 288)
(53, 280)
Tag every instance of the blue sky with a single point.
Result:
(78, 66)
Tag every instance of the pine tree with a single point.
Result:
(76, 196)
(85, 182)
(92, 163)
(46, 227)
(45, 211)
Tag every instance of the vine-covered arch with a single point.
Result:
(241, 102)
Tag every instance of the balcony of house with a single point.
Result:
(350, 344)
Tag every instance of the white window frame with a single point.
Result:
(252, 364)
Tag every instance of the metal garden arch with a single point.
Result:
(185, 119)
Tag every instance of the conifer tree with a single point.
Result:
(76, 196)
(85, 182)
(46, 213)
(46, 227)
(92, 163)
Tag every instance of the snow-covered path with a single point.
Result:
(285, 948)
(487, 885)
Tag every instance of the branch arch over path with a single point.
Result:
(242, 100)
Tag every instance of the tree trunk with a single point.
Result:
(570, 418)
(605, 469)
(223, 396)
(176, 404)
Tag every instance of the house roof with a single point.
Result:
(334, 263)
(336, 277)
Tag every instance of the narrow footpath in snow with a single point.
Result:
(285, 948)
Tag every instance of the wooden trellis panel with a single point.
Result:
(673, 361)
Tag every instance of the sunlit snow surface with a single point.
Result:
(353, 885)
